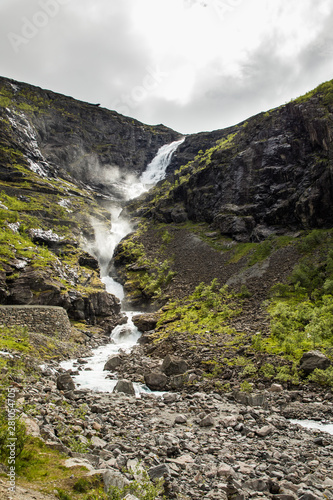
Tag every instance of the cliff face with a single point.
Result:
(271, 174)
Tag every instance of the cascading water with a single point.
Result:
(123, 336)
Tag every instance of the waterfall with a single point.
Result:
(156, 169)
(92, 375)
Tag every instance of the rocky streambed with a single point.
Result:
(204, 445)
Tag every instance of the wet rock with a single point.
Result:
(173, 366)
(146, 337)
(312, 360)
(112, 363)
(65, 382)
(124, 386)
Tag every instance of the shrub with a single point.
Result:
(322, 377)
(246, 386)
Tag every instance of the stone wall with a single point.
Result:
(48, 320)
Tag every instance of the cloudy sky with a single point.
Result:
(192, 65)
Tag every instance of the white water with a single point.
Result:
(312, 424)
(123, 337)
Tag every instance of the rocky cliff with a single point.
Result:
(269, 175)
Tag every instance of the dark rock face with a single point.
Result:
(312, 360)
(271, 174)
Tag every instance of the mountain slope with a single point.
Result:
(269, 175)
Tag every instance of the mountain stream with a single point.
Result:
(123, 337)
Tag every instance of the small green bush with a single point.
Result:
(322, 377)
(246, 387)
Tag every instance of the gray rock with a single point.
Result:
(251, 399)
(98, 442)
(178, 381)
(145, 322)
(158, 471)
(307, 495)
(115, 479)
(180, 419)
(312, 360)
(276, 388)
(65, 382)
(156, 381)
(78, 462)
(207, 421)
(169, 397)
(284, 496)
(112, 363)
(174, 366)
(265, 430)
(124, 386)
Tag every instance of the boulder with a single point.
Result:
(174, 366)
(178, 381)
(312, 360)
(207, 421)
(112, 363)
(125, 386)
(65, 382)
(156, 381)
(115, 479)
(145, 322)
(78, 462)
(158, 471)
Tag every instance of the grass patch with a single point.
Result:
(203, 315)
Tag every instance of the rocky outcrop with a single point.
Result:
(271, 174)
(41, 287)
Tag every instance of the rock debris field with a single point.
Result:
(203, 445)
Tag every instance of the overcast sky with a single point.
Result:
(192, 65)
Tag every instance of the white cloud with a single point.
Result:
(190, 64)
